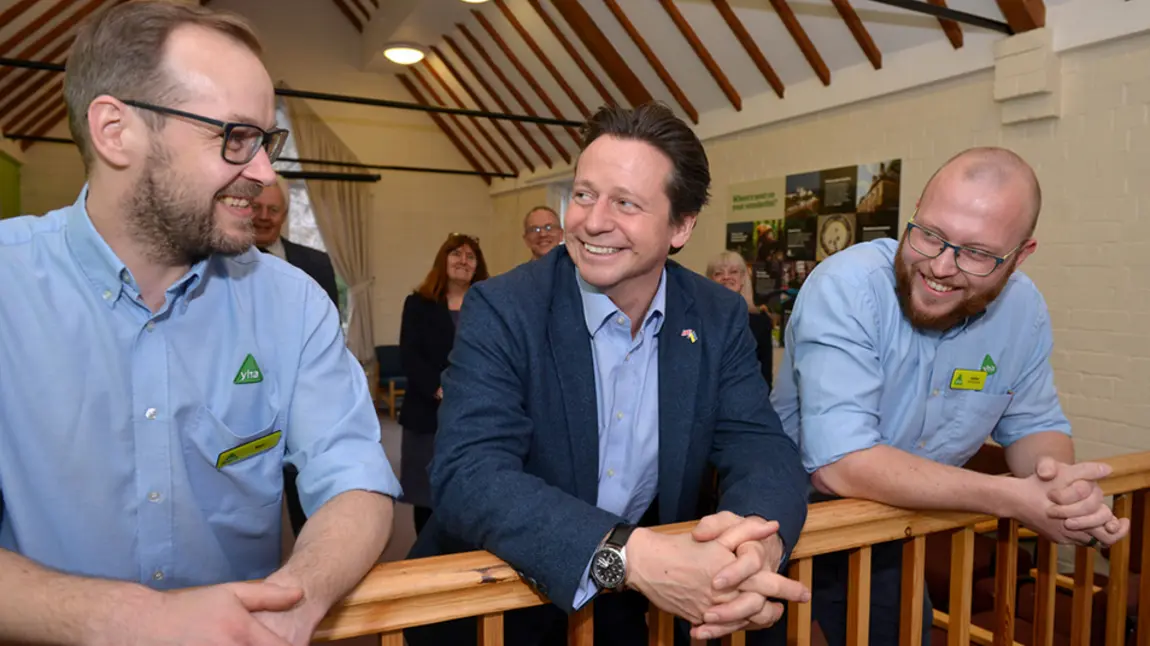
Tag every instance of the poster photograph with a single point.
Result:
(878, 200)
(804, 199)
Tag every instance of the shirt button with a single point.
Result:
(620, 320)
(107, 294)
(934, 393)
(150, 413)
(158, 575)
(610, 473)
(619, 415)
(154, 496)
(150, 326)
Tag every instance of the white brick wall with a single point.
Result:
(1093, 258)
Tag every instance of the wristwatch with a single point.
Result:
(609, 565)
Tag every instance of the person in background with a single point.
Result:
(142, 475)
(730, 270)
(426, 336)
(270, 210)
(902, 358)
(269, 214)
(541, 231)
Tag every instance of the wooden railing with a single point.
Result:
(402, 594)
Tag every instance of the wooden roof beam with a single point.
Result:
(47, 101)
(454, 119)
(1023, 15)
(802, 40)
(653, 60)
(46, 127)
(479, 102)
(15, 11)
(704, 55)
(539, 91)
(34, 26)
(600, 47)
(443, 126)
(59, 30)
(859, 31)
(748, 43)
(592, 77)
(949, 27)
(351, 17)
(482, 51)
(474, 120)
(498, 99)
(534, 46)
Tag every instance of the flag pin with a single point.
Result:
(690, 334)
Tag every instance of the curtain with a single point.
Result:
(341, 211)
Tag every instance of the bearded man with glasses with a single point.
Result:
(159, 372)
(902, 358)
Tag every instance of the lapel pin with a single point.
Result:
(690, 334)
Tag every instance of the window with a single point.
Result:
(300, 227)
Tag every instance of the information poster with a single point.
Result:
(783, 226)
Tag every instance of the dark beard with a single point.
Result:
(174, 227)
(970, 305)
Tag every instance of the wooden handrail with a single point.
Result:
(415, 592)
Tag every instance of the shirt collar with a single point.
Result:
(598, 307)
(101, 265)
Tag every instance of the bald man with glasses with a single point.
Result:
(903, 357)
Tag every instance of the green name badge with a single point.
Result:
(968, 380)
(245, 451)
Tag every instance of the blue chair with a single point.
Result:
(392, 382)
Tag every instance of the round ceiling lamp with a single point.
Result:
(475, 1)
(403, 54)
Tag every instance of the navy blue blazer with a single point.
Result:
(515, 470)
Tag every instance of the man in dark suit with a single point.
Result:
(269, 212)
(588, 392)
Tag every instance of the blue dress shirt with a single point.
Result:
(143, 446)
(856, 374)
(627, 399)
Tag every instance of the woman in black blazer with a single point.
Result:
(426, 336)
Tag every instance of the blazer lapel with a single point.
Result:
(571, 350)
(679, 358)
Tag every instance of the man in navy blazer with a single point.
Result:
(586, 395)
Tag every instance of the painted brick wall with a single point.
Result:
(1094, 234)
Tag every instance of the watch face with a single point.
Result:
(608, 569)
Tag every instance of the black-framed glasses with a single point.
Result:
(241, 141)
(971, 261)
(536, 230)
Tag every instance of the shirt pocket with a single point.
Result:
(251, 479)
(971, 417)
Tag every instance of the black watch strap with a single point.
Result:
(618, 536)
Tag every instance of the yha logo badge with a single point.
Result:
(249, 373)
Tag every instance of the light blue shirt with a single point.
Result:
(627, 398)
(856, 374)
(113, 419)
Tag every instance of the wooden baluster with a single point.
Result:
(961, 585)
(913, 586)
(1143, 499)
(736, 639)
(1047, 563)
(391, 639)
(1083, 596)
(858, 597)
(581, 626)
(1005, 582)
(1117, 587)
(660, 628)
(799, 614)
(491, 630)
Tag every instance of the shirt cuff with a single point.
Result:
(587, 588)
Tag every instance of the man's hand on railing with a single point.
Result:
(1064, 503)
(295, 624)
(754, 574)
(218, 615)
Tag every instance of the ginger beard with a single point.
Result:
(180, 228)
(971, 296)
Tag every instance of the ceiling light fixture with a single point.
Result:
(404, 54)
(475, 1)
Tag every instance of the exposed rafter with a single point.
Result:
(653, 60)
(349, 14)
(442, 126)
(482, 51)
(859, 31)
(704, 55)
(597, 43)
(1023, 15)
(430, 69)
(495, 97)
(802, 40)
(539, 91)
(592, 77)
(530, 40)
(482, 106)
(748, 43)
(949, 27)
(434, 96)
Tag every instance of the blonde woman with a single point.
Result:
(729, 269)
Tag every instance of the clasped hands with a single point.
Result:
(1064, 503)
(722, 577)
